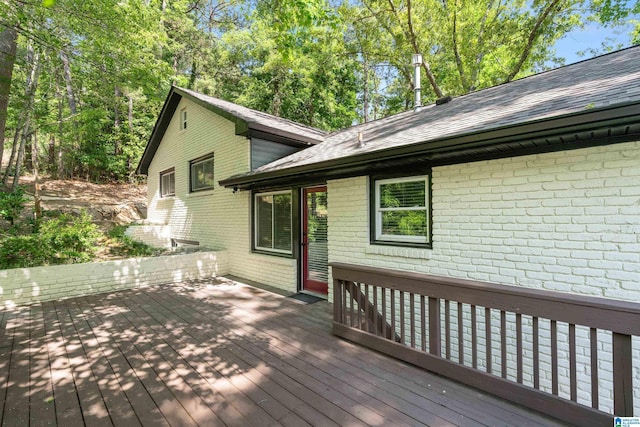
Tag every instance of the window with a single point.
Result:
(272, 221)
(168, 183)
(202, 173)
(183, 119)
(400, 213)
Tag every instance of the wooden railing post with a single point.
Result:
(622, 376)
(621, 319)
(434, 326)
(338, 314)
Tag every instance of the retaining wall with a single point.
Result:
(32, 285)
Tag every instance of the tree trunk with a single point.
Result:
(56, 163)
(130, 136)
(193, 76)
(51, 156)
(116, 121)
(130, 115)
(365, 91)
(12, 157)
(8, 43)
(33, 58)
(37, 213)
(68, 82)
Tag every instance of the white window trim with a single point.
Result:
(196, 162)
(162, 175)
(255, 222)
(378, 211)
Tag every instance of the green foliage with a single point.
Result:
(322, 63)
(71, 239)
(65, 239)
(23, 252)
(12, 204)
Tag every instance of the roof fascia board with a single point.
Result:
(166, 113)
(246, 128)
(573, 122)
(241, 125)
(256, 129)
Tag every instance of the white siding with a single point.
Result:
(217, 218)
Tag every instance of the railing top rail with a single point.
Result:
(618, 316)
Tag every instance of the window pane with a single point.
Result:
(403, 194)
(404, 223)
(264, 213)
(202, 175)
(167, 184)
(208, 173)
(282, 221)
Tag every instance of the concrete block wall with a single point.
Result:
(32, 285)
(565, 221)
(218, 218)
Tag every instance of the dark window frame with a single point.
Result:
(167, 172)
(198, 161)
(183, 119)
(374, 237)
(292, 252)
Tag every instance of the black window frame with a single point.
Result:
(198, 161)
(291, 253)
(166, 172)
(374, 237)
(183, 119)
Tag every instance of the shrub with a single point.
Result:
(65, 239)
(70, 239)
(126, 246)
(12, 204)
(23, 251)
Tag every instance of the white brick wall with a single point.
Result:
(158, 236)
(565, 221)
(218, 218)
(31, 285)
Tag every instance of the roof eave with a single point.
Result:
(564, 124)
(159, 128)
(242, 128)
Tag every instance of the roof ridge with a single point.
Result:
(254, 111)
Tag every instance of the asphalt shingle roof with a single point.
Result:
(599, 82)
(258, 117)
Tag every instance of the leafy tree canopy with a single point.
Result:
(91, 75)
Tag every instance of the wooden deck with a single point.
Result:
(215, 353)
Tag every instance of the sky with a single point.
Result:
(592, 37)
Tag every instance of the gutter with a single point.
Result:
(621, 114)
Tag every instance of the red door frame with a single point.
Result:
(309, 284)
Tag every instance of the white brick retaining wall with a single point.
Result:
(33, 285)
(158, 236)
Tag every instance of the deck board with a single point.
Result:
(215, 353)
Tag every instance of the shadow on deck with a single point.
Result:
(215, 353)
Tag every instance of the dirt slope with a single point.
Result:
(108, 204)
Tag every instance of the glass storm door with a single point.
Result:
(314, 240)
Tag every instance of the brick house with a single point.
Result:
(533, 183)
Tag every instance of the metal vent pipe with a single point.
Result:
(417, 62)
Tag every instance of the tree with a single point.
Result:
(8, 43)
(470, 45)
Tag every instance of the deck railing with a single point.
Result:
(562, 354)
